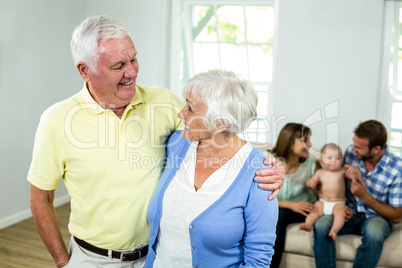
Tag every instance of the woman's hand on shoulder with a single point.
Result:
(271, 178)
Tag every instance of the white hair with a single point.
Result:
(86, 37)
(231, 101)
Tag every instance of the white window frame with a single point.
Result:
(387, 96)
(178, 6)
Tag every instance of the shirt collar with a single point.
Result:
(381, 165)
(91, 106)
(137, 99)
(385, 159)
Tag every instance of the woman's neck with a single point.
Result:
(220, 145)
(292, 164)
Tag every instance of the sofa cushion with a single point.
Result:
(391, 254)
(301, 242)
(297, 241)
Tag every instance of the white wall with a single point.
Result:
(327, 51)
(148, 22)
(36, 71)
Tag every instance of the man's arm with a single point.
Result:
(359, 189)
(271, 178)
(44, 214)
(393, 214)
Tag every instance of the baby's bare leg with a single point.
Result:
(312, 217)
(339, 220)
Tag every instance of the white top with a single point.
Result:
(182, 204)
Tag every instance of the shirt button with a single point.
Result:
(192, 226)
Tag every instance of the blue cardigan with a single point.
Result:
(238, 230)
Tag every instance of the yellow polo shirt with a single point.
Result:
(109, 165)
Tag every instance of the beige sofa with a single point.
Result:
(298, 250)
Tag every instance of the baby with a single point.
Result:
(332, 190)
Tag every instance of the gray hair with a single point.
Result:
(231, 101)
(86, 37)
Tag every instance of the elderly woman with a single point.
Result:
(207, 211)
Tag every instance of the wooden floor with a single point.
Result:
(21, 246)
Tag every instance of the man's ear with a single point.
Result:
(84, 71)
(375, 149)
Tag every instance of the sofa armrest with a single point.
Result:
(391, 253)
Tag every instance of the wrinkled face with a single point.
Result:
(192, 115)
(114, 84)
(301, 146)
(361, 148)
(331, 159)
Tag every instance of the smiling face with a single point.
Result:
(361, 148)
(113, 86)
(331, 159)
(301, 146)
(192, 115)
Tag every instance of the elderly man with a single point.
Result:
(107, 142)
(374, 196)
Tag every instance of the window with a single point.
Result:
(232, 35)
(391, 103)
